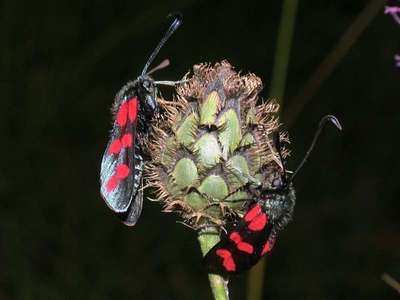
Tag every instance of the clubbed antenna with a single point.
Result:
(165, 63)
(174, 26)
(322, 123)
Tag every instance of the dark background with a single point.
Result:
(62, 63)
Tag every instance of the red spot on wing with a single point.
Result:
(267, 248)
(258, 223)
(115, 147)
(253, 212)
(133, 108)
(122, 171)
(235, 237)
(245, 247)
(223, 253)
(122, 114)
(240, 245)
(228, 262)
(112, 183)
(126, 140)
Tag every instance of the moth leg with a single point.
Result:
(170, 83)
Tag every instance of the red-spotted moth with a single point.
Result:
(270, 210)
(134, 107)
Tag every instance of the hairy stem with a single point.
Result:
(219, 286)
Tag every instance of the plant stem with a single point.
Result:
(391, 282)
(277, 90)
(219, 286)
(332, 60)
(282, 51)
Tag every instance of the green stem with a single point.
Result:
(328, 65)
(219, 286)
(282, 51)
(277, 90)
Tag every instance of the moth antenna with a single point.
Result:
(165, 63)
(322, 123)
(174, 26)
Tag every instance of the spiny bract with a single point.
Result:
(213, 145)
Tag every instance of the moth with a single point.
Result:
(268, 212)
(135, 106)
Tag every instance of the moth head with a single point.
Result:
(280, 197)
(147, 94)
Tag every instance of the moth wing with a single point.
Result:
(134, 210)
(120, 174)
(242, 246)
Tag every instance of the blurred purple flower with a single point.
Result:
(394, 12)
(392, 9)
(397, 60)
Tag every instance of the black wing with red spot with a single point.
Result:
(122, 164)
(243, 245)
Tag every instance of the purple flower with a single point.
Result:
(397, 60)
(394, 11)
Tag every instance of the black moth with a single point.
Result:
(121, 168)
(254, 235)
